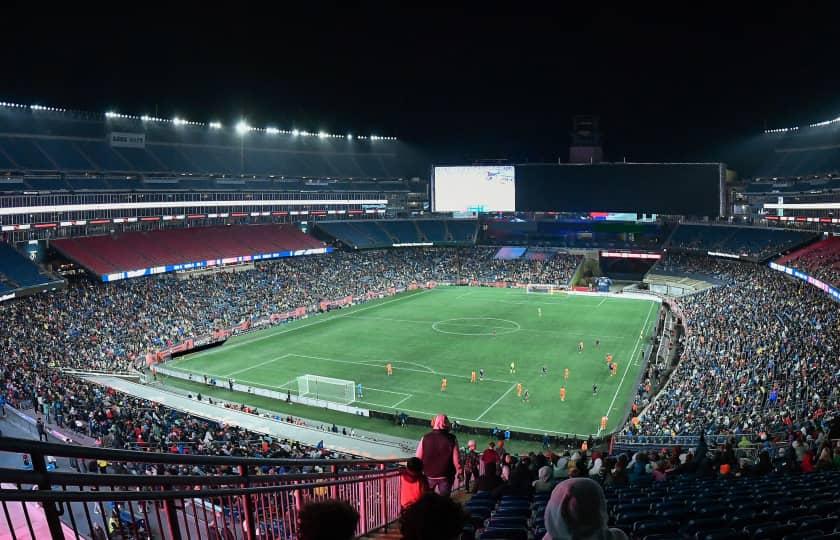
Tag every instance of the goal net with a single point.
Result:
(538, 288)
(327, 388)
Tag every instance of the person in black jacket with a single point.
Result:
(438, 450)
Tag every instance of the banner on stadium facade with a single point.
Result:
(119, 139)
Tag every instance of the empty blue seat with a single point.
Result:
(771, 532)
(645, 528)
(719, 534)
(504, 534)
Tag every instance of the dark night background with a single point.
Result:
(460, 86)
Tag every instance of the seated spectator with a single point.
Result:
(413, 482)
(638, 468)
(519, 484)
(597, 463)
(807, 464)
(659, 474)
(824, 462)
(488, 481)
(544, 482)
(577, 510)
(432, 517)
(327, 520)
(764, 465)
(507, 465)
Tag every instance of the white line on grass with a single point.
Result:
(409, 396)
(602, 301)
(372, 389)
(471, 325)
(380, 365)
(257, 365)
(495, 402)
(321, 319)
(416, 411)
(630, 361)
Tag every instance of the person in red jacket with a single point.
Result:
(413, 483)
(489, 456)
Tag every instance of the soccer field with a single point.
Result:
(449, 332)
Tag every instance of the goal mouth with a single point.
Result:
(326, 388)
(543, 288)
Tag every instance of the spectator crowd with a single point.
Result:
(760, 355)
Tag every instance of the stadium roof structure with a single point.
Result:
(241, 126)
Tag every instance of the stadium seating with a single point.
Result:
(401, 231)
(432, 230)
(66, 143)
(133, 251)
(753, 242)
(576, 232)
(18, 272)
(375, 234)
(462, 231)
(820, 260)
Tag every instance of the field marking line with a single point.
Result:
(262, 384)
(464, 295)
(427, 368)
(602, 301)
(495, 402)
(632, 355)
(321, 319)
(257, 365)
(409, 396)
(382, 365)
(371, 388)
(521, 329)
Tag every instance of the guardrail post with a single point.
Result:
(39, 465)
(334, 489)
(172, 517)
(383, 497)
(249, 521)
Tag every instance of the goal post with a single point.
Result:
(326, 388)
(542, 288)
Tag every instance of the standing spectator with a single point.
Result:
(413, 483)
(438, 450)
(489, 456)
(42, 432)
(471, 459)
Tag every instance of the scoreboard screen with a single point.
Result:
(474, 189)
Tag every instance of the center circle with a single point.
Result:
(476, 326)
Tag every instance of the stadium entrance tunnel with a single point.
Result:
(476, 326)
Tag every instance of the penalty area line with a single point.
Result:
(480, 416)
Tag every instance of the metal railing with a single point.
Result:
(215, 497)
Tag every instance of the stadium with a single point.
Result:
(223, 325)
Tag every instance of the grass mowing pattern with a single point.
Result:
(448, 332)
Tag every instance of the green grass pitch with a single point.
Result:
(449, 332)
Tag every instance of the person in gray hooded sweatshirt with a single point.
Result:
(577, 510)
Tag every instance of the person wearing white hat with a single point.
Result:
(577, 510)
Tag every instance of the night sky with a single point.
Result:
(459, 85)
